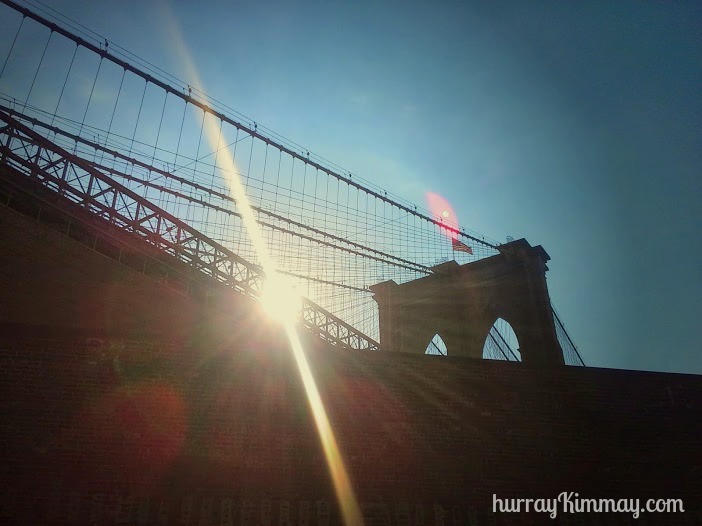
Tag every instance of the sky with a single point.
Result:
(577, 126)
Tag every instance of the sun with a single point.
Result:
(280, 300)
(445, 213)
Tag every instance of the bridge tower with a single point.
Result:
(461, 303)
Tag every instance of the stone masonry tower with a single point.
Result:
(461, 303)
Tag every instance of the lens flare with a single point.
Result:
(442, 210)
(345, 494)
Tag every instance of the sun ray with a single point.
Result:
(345, 494)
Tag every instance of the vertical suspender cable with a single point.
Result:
(114, 110)
(12, 47)
(36, 73)
(158, 132)
(263, 176)
(65, 81)
(90, 98)
(136, 124)
(175, 160)
(180, 136)
(277, 182)
(248, 170)
(219, 140)
(199, 143)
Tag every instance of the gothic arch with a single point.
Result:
(437, 346)
(501, 342)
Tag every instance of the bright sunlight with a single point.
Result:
(280, 300)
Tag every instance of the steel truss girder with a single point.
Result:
(77, 180)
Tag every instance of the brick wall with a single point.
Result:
(135, 420)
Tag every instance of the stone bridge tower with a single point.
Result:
(461, 303)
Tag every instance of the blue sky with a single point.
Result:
(578, 127)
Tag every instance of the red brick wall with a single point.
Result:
(171, 423)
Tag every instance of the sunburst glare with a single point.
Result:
(280, 299)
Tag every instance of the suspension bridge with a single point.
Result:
(96, 130)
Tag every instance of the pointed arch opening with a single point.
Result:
(437, 346)
(501, 343)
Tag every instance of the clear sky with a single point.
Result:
(577, 126)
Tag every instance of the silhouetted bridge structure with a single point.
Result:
(141, 383)
(134, 151)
